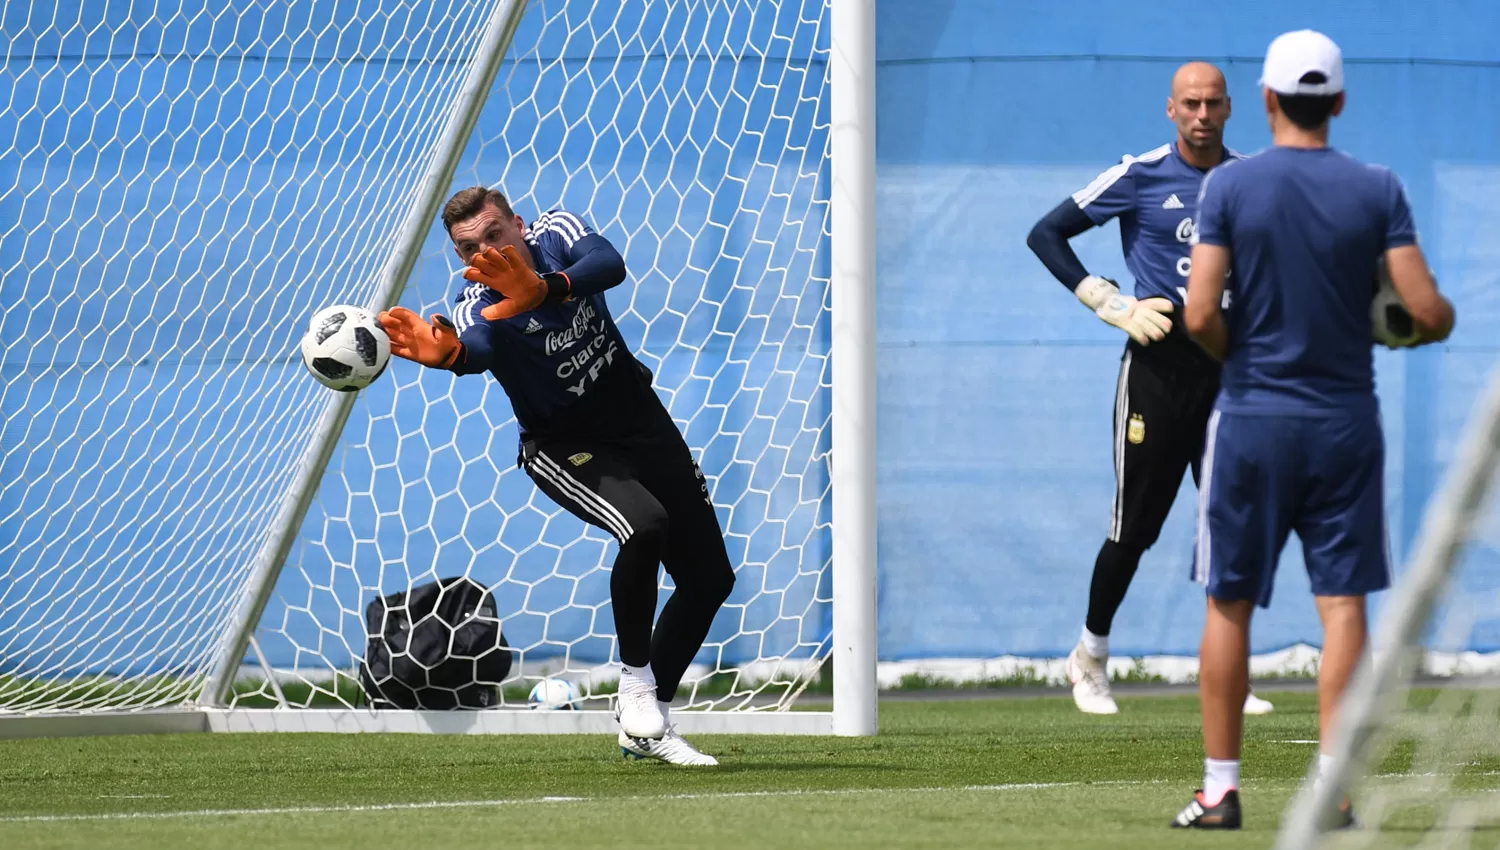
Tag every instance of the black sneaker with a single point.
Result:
(1344, 817)
(1200, 815)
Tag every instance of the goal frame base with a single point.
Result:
(509, 721)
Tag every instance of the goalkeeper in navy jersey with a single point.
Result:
(594, 435)
(1167, 384)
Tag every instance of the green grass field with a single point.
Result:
(970, 773)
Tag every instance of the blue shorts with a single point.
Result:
(1265, 477)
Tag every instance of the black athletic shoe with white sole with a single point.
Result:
(1200, 815)
(1344, 817)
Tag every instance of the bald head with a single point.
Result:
(1199, 106)
(1197, 75)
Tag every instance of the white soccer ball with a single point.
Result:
(1389, 319)
(345, 348)
(553, 694)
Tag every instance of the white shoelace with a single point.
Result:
(1097, 677)
(641, 696)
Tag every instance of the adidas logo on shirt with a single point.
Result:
(532, 326)
(1172, 203)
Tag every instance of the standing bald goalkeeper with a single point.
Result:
(1167, 384)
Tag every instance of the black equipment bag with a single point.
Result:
(435, 647)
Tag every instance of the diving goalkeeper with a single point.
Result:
(594, 435)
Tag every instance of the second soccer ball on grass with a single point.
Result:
(554, 694)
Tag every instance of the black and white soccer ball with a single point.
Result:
(345, 348)
(1389, 319)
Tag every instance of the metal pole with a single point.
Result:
(852, 207)
(450, 147)
(1450, 518)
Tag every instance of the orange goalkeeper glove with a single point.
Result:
(434, 345)
(505, 272)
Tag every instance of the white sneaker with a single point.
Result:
(637, 710)
(1090, 683)
(1256, 705)
(672, 749)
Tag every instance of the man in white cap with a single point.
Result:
(1294, 443)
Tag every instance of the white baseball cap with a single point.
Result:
(1295, 54)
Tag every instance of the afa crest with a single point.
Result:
(1135, 432)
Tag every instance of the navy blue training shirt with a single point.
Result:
(564, 365)
(1152, 195)
(1306, 228)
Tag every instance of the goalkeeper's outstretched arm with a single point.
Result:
(476, 345)
(461, 344)
(597, 266)
(593, 266)
(1145, 321)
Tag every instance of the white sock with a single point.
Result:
(666, 710)
(1220, 776)
(1095, 645)
(642, 674)
(1325, 767)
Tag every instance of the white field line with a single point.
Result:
(647, 798)
(532, 801)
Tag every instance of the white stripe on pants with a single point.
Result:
(1122, 417)
(591, 503)
(1205, 488)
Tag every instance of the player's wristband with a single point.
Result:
(559, 287)
(457, 358)
(1093, 291)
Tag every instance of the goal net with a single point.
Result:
(1419, 753)
(189, 181)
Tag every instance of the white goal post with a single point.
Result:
(1445, 745)
(191, 528)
